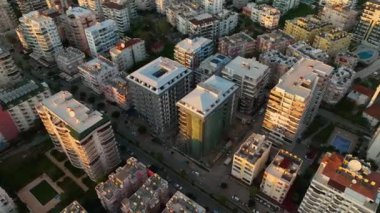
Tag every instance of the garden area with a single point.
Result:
(43, 192)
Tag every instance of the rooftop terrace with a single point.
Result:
(180, 203)
(253, 148)
(285, 166)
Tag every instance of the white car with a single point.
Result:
(236, 198)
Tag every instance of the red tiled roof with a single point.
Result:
(373, 111)
(363, 90)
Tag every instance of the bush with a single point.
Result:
(142, 129)
(115, 114)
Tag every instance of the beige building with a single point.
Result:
(181, 203)
(27, 6)
(279, 176)
(128, 52)
(238, 44)
(116, 91)
(305, 28)
(122, 183)
(74, 207)
(249, 160)
(332, 41)
(9, 72)
(95, 6)
(301, 50)
(339, 84)
(343, 18)
(367, 30)
(119, 13)
(294, 101)
(84, 135)
(191, 52)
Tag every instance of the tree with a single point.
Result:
(223, 185)
(115, 114)
(74, 88)
(141, 129)
(100, 105)
(91, 99)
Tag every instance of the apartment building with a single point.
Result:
(285, 5)
(332, 41)
(205, 114)
(149, 198)
(178, 15)
(238, 44)
(116, 91)
(74, 207)
(275, 40)
(69, 59)
(305, 28)
(84, 135)
(339, 84)
(279, 176)
(266, 15)
(249, 160)
(227, 21)
(190, 52)
(6, 202)
(95, 6)
(294, 101)
(122, 183)
(161, 6)
(212, 65)
(278, 63)
(181, 203)
(77, 19)
(213, 6)
(367, 29)
(373, 148)
(155, 88)
(17, 104)
(145, 5)
(342, 184)
(101, 37)
(40, 35)
(339, 17)
(127, 52)
(346, 59)
(8, 19)
(204, 25)
(120, 14)
(27, 6)
(339, 3)
(96, 71)
(301, 49)
(252, 77)
(9, 72)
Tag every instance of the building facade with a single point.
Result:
(27, 6)
(339, 84)
(249, 160)
(266, 15)
(120, 14)
(84, 135)
(368, 27)
(212, 65)
(239, 44)
(275, 40)
(339, 17)
(285, 5)
(116, 91)
(69, 59)
(332, 41)
(8, 19)
(127, 52)
(205, 114)
(95, 6)
(101, 37)
(213, 6)
(9, 72)
(191, 52)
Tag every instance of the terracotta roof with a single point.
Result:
(363, 90)
(373, 111)
(341, 180)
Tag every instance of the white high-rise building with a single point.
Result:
(342, 184)
(155, 89)
(40, 35)
(7, 16)
(285, 5)
(77, 19)
(252, 77)
(367, 30)
(102, 36)
(127, 52)
(95, 6)
(9, 72)
(120, 14)
(249, 160)
(191, 52)
(213, 6)
(84, 135)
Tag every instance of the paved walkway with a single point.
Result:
(32, 202)
(61, 165)
(374, 67)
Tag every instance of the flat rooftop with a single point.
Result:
(193, 45)
(342, 76)
(248, 67)
(285, 166)
(75, 114)
(214, 62)
(208, 95)
(237, 38)
(276, 36)
(180, 203)
(74, 207)
(101, 25)
(274, 56)
(159, 75)
(253, 148)
(302, 78)
(202, 19)
(97, 66)
(70, 53)
(126, 43)
(78, 11)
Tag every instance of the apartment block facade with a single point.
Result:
(69, 59)
(9, 72)
(367, 30)
(212, 65)
(266, 15)
(275, 40)
(339, 84)
(238, 44)
(191, 52)
(127, 52)
(332, 41)
(120, 14)
(101, 37)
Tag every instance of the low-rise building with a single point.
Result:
(122, 183)
(179, 14)
(266, 15)
(127, 52)
(346, 59)
(332, 41)
(339, 84)
(191, 52)
(212, 65)
(181, 203)
(305, 28)
(252, 77)
(249, 160)
(361, 95)
(116, 91)
(343, 18)
(95, 72)
(69, 59)
(278, 63)
(301, 49)
(74, 207)
(101, 37)
(275, 40)
(204, 25)
(238, 44)
(7, 204)
(279, 176)
(373, 151)
(344, 184)
(149, 198)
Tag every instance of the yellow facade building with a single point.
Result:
(333, 41)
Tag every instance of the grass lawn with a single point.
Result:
(76, 172)
(59, 156)
(43, 192)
